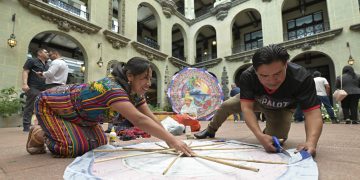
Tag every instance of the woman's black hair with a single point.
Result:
(349, 70)
(134, 66)
(269, 54)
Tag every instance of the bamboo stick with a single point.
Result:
(173, 161)
(133, 155)
(248, 160)
(199, 149)
(146, 150)
(227, 163)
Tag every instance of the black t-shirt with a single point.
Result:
(298, 87)
(33, 80)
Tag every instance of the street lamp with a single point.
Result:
(12, 41)
(100, 63)
(351, 61)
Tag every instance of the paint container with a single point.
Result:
(188, 133)
(112, 136)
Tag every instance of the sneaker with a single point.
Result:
(347, 121)
(204, 134)
(354, 122)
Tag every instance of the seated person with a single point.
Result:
(188, 114)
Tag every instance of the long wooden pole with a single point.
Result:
(132, 155)
(227, 163)
(248, 160)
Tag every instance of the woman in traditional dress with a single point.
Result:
(70, 115)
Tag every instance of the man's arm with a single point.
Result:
(327, 88)
(313, 128)
(247, 108)
(55, 66)
(25, 76)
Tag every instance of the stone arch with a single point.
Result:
(247, 22)
(182, 55)
(70, 48)
(109, 66)
(206, 49)
(320, 61)
(238, 72)
(152, 40)
(153, 96)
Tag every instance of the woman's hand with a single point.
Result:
(180, 146)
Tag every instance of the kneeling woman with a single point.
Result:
(70, 115)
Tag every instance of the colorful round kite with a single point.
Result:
(201, 86)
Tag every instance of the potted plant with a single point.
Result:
(10, 105)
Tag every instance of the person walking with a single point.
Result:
(351, 84)
(323, 92)
(33, 84)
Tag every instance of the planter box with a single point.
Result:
(163, 114)
(14, 120)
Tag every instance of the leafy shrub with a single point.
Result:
(9, 102)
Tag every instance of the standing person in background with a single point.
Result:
(323, 92)
(32, 84)
(58, 71)
(234, 91)
(351, 84)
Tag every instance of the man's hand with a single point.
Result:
(25, 88)
(267, 142)
(310, 148)
(40, 74)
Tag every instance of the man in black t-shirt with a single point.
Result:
(33, 84)
(274, 87)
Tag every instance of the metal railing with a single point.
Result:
(242, 48)
(206, 58)
(326, 27)
(69, 8)
(149, 42)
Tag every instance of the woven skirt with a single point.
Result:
(66, 137)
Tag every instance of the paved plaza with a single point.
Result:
(338, 155)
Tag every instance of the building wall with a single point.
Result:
(341, 14)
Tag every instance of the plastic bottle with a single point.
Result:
(112, 135)
(188, 132)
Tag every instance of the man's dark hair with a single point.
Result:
(316, 74)
(269, 54)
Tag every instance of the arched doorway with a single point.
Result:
(70, 49)
(178, 42)
(238, 73)
(206, 45)
(318, 61)
(147, 26)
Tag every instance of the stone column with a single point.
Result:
(189, 9)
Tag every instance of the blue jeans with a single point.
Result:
(325, 100)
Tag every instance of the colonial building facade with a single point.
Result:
(218, 35)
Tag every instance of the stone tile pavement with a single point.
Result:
(338, 154)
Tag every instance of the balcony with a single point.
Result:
(149, 42)
(75, 9)
(246, 47)
(206, 57)
(307, 30)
